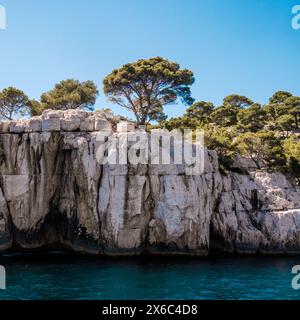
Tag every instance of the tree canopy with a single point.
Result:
(221, 140)
(268, 134)
(226, 115)
(146, 86)
(13, 103)
(252, 118)
(261, 147)
(291, 147)
(201, 111)
(283, 112)
(280, 97)
(70, 94)
(237, 101)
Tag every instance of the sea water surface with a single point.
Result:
(64, 277)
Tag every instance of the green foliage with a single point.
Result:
(225, 116)
(251, 119)
(293, 166)
(273, 111)
(13, 103)
(267, 134)
(196, 116)
(182, 123)
(241, 126)
(283, 112)
(222, 141)
(293, 107)
(145, 86)
(200, 111)
(279, 97)
(285, 123)
(292, 147)
(261, 147)
(36, 108)
(70, 94)
(292, 151)
(237, 101)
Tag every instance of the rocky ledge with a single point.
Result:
(54, 195)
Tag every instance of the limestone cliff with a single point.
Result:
(54, 195)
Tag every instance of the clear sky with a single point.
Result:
(233, 46)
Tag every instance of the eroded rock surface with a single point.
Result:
(54, 194)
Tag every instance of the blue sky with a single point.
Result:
(246, 47)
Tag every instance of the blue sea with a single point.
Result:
(58, 276)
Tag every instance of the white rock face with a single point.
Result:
(87, 124)
(51, 124)
(4, 126)
(54, 114)
(257, 213)
(125, 126)
(102, 125)
(72, 120)
(56, 120)
(34, 125)
(17, 126)
(55, 194)
(247, 164)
